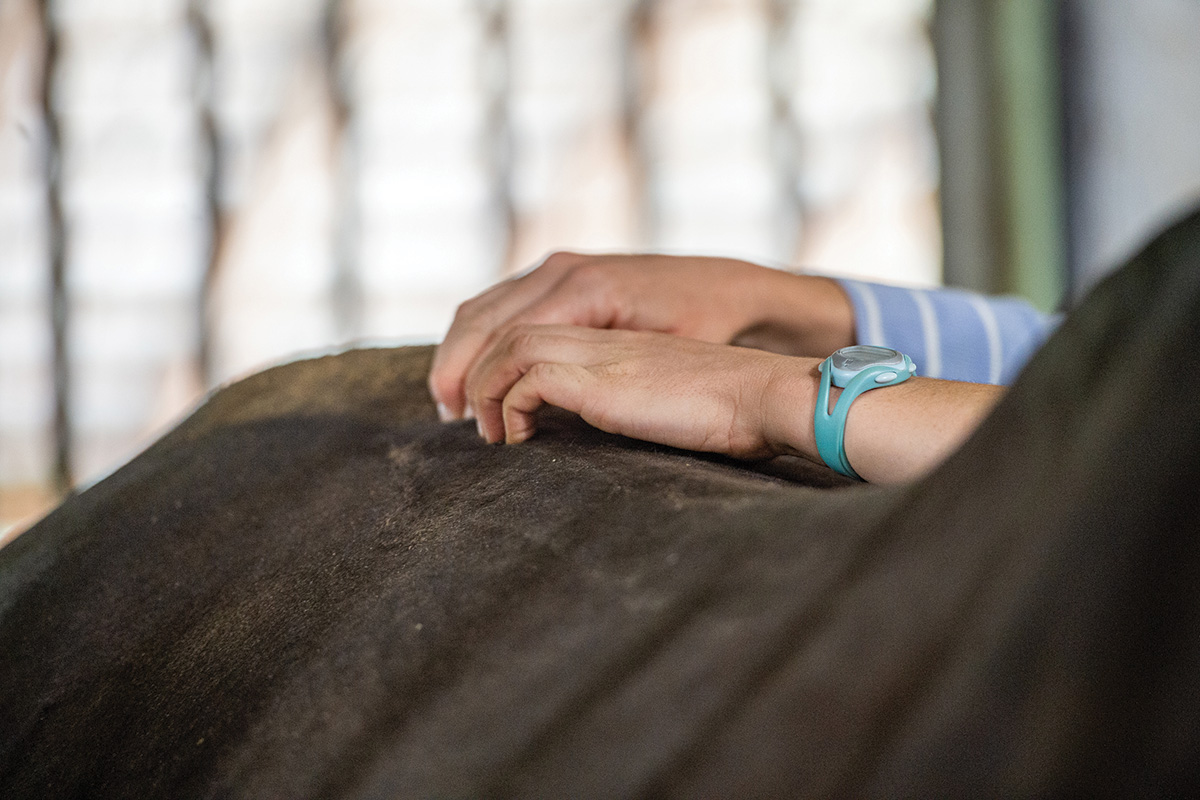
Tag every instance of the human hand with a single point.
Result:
(716, 398)
(708, 299)
(666, 389)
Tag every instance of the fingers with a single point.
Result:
(516, 353)
(453, 356)
(479, 320)
(710, 300)
(652, 386)
(562, 385)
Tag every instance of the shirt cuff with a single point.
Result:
(950, 333)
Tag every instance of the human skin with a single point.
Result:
(716, 300)
(640, 346)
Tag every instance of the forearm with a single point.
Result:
(700, 395)
(718, 300)
(893, 434)
(798, 315)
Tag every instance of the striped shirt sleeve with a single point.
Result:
(950, 333)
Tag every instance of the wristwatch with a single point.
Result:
(856, 369)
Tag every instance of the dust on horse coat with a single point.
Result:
(311, 588)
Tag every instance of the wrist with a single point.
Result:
(789, 403)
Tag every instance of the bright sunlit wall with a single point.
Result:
(302, 174)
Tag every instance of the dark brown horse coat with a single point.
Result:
(313, 589)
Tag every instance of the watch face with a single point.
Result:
(861, 356)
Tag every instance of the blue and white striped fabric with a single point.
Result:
(950, 333)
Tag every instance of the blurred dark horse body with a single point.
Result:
(311, 588)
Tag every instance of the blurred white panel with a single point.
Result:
(424, 256)
(434, 60)
(701, 130)
(26, 335)
(383, 186)
(137, 198)
(711, 47)
(423, 192)
(447, 186)
(888, 228)
(856, 64)
(572, 183)
(402, 130)
(710, 131)
(272, 332)
(25, 458)
(423, 321)
(23, 275)
(132, 213)
(111, 399)
(864, 86)
(115, 260)
(735, 191)
(275, 275)
(130, 334)
(264, 18)
(82, 13)
(26, 387)
(159, 144)
(127, 69)
(122, 411)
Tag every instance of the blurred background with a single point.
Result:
(191, 190)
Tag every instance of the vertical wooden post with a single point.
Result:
(204, 88)
(1029, 100)
(999, 123)
(60, 303)
(637, 66)
(496, 66)
(347, 298)
(973, 247)
(785, 138)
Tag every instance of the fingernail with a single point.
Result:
(443, 412)
(468, 412)
(482, 435)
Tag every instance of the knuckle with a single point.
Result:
(590, 277)
(560, 260)
(522, 339)
(464, 312)
(437, 385)
(472, 310)
(540, 372)
(474, 396)
(589, 271)
(443, 389)
(438, 376)
(475, 324)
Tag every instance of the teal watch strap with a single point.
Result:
(830, 427)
